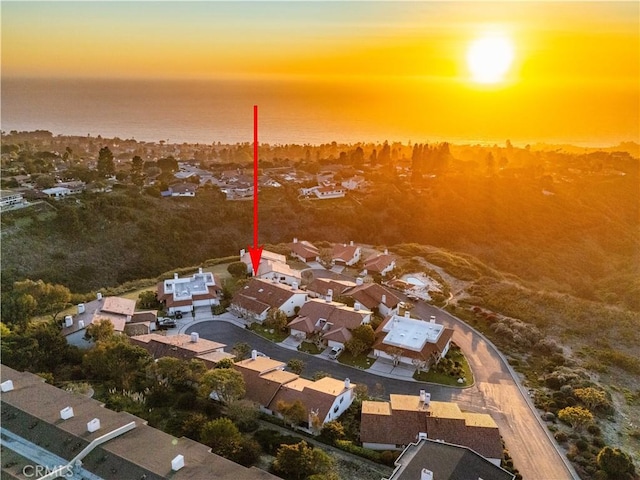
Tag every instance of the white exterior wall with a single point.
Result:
(298, 333)
(356, 257)
(347, 400)
(388, 268)
(386, 311)
(334, 343)
(381, 354)
(380, 446)
(206, 302)
(297, 300)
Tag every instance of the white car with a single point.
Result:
(335, 352)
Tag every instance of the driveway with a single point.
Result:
(495, 391)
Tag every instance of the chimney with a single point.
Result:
(359, 281)
(254, 354)
(330, 292)
(426, 474)
(194, 337)
(200, 270)
(294, 286)
(99, 296)
(423, 395)
(80, 308)
(347, 383)
(68, 320)
(80, 324)
(384, 299)
(432, 319)
(386, 251)
(295, 240)
(329, 298)
(242, 252)
(177, 463)
(66, 413)
(351, 243)
(175, 276)
(6, 386)
(422, 436)
(357, 306)
(93, 425)
(407, 314)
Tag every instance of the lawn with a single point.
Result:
(361, 361)
(268, 333)
(309, 347)
(435, 377)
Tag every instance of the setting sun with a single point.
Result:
(489, 58)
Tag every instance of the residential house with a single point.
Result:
(268, 384)
(183, 190)
(304, 251)
(56, 192)
(354, 183)
(256, 298)
(430, 460)
(332, 322)
(329, 192)
(321, 287)
(346, 255)
(405, 419)
(375, 296)
(184, 347)
(184, 294)
(75, 187)
(380, 263)
(267, 256)
(72, 435)
(12, 200)
(406, 340)
(117, 310)
(278, 272)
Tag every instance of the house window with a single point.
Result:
(341, 399)
(335, 409)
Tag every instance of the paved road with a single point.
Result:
(495, 391)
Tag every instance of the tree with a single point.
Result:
(179, 375)
(300, 461)
(420, 364)
(100, 330)
(593, 398)
(616, 463)
(361, 391)
(106, 166)
(50, 298)
(332, 431)
(45, 181)
(396, 355)
(18, 308)
(320, 374)
(192, 425)
(276, 319)
(118, 363)
(237, 269)
(294, 413)
(241, 350)
(148, 299)
(244, 414)
(295, 365)
(136, 170)
(355, 346)
(168, 164)
(577, 417)
(222, 436)
(225, 384)
(224, 363)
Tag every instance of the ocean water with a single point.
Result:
(191, 111)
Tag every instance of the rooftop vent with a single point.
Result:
(359, 281)
(357, 306)
(426, 474)
(294, 286)
(68, 320)
(66, 413)
(422, 436)
(384, 299)
(99, 296)
(81, 308)
(93, 425)
(175, 276)
(6, 386)
(194, 337)
(254, 354)
(177, 463)
(80, 324)
(407, 314)
(347, 382)
(200, 270)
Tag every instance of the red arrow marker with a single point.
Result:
(255, 252)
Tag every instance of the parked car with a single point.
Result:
(163, 323)
(335, 352)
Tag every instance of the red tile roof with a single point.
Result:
(370, 295)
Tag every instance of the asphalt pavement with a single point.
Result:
(496, 390)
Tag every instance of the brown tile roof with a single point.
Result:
(299, 389)
(336, 313)
(146, 316)
(263, 378)
(211, 359)
(138, 328)
(32, 411)
(119, 306)
(178, 346)
(400, 420)
(259, 295)
(378, 262)
(340, 334)
(304, 324)
(344, 252)
(305, 249)
(321, 286)
(370, 295)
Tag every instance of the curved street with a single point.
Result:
(496, 390)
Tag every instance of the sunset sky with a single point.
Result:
(573, 71)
